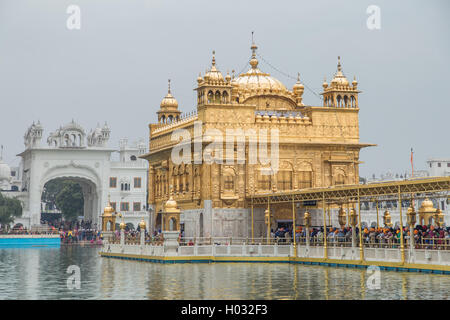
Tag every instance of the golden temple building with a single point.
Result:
(318, 147)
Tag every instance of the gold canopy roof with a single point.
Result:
(427, 206)
(171, 205)
(339, 77)
(109, 210)
(213, 74)
(169, 101)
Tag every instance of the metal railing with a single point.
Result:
(191, 241)
(387, 243)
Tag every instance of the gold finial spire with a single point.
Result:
(253, 61)
(298, 76)
(214, 58)
(339, 63)
(168, 91)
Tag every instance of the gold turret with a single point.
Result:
(340, 94)
(168, 111)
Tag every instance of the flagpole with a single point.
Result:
(412, 173)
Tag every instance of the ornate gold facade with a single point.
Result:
(318, 145)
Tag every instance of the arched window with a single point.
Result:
(340, 179)
(210, 97)
(339, 100)
(264, 180)
(217, 97)
(133, 158)
(225, 97)
(228, 183)
(353, 101)
(304, 179)
(284, 180)
(228, 180)
(172, 224)
(346, 101)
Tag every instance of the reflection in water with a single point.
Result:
(42, 274)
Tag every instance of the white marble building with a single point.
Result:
(369, 212)
(72, 154)
(439, 167)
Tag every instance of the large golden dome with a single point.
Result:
(256, 81)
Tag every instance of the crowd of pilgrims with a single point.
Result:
(429, 237)
(423, 235)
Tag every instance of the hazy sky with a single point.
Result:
(115, 68)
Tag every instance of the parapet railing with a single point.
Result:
(392, 243)
(184, 118)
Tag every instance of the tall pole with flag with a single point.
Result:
(412, 176)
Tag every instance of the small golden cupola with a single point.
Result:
(426, 212)
(171, 215)
(168, 111)
(340, 94)
(213, 88)
(142, 225)
(108, 218)
(214, 76)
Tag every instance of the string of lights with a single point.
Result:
(288, 75)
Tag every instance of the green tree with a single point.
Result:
(9, 210)
(70, 200)
(51, 190)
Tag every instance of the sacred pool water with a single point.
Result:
(42, 273)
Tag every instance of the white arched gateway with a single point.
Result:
(70, 154)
